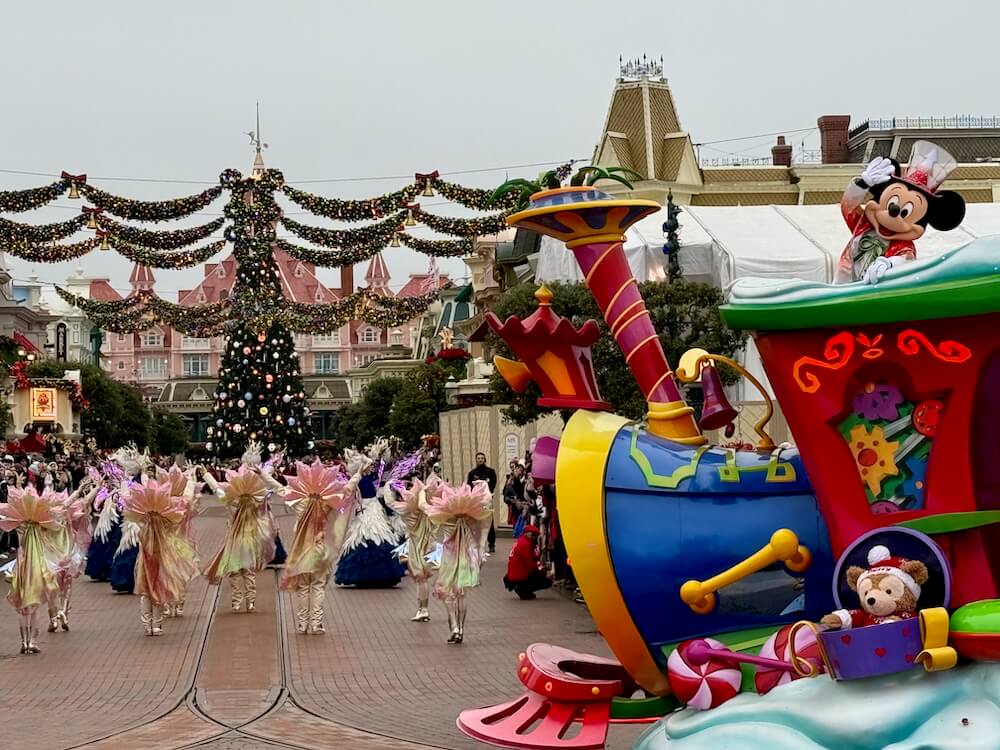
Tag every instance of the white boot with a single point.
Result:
(179, 609)
(157, 620)
(251, 587)
(452, 608)
(146, 614)
(237, 586)
(302, 605)
(53, 617)
(460, 612)
(423, 613)
(24, 631)
(317, 595)
(63, 615)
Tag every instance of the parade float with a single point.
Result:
(844, 593)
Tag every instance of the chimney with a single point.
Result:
(833, 131)
(781, 153)
(347, 280)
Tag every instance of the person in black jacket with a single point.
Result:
(483, 473)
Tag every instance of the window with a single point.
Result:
(75, 334)
(104, 338)
(194, 365)
(396, 338)
(368, 335)
(121, 365)
(326, 363)
(121, 338)
(326, 339)
(151, 340)
(152, 367)
(363, 359)
(192, 342)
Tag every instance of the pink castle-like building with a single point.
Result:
(178, 372)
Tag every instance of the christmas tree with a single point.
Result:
(259, 395)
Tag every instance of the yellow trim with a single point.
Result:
(626, 324)
(936, 654)
(621, 290)
(600, 259)
(674, 420)
(584, 451)
(528, 213)
(663, 481)
(596, 239)
(637, 347)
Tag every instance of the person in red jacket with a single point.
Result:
(524, 568)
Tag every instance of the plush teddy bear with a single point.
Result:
(888, 590)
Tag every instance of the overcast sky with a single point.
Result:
(379, 88)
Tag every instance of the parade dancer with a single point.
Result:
(322, 500)
(462, 516)
(419, 538)
(368, 558)
(249, 542)
(183, 485)
(166, 560)
(252, 459)
(66, 548)
(108, 531)
(34, 582)
(135, 467)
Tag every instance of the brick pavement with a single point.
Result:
(221, 680)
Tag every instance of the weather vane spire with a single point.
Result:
(258, 144)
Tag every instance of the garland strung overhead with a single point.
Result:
(476, 198)
(177, 259)
(12, 232)
(437, 248)
(16, 201)
(380, 231)
(381, 312)
(168, 240)
(143, 311)
(52, 253)
(127, 208)
(330, 258)
(353, 210)
(462, 227)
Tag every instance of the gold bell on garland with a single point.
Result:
(92, 220)
(428, 190)
(105, 245)
(395, 240)
(411, 221)
(74, 192)
(427, 180)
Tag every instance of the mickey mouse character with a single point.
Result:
(884, 229)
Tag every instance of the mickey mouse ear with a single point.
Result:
(946, 210)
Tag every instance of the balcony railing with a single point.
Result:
(954, 122)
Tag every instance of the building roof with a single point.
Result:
(141, 277)
(298, 281)
(102, 291)
(418, 284)
(642, 131)
(377, 276)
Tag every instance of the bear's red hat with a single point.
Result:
(881, 561)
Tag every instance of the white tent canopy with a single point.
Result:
(722, 244)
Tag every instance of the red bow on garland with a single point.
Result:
(79, 179)
(430, 177)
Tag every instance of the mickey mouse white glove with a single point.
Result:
(879, 170)
(877, 269)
